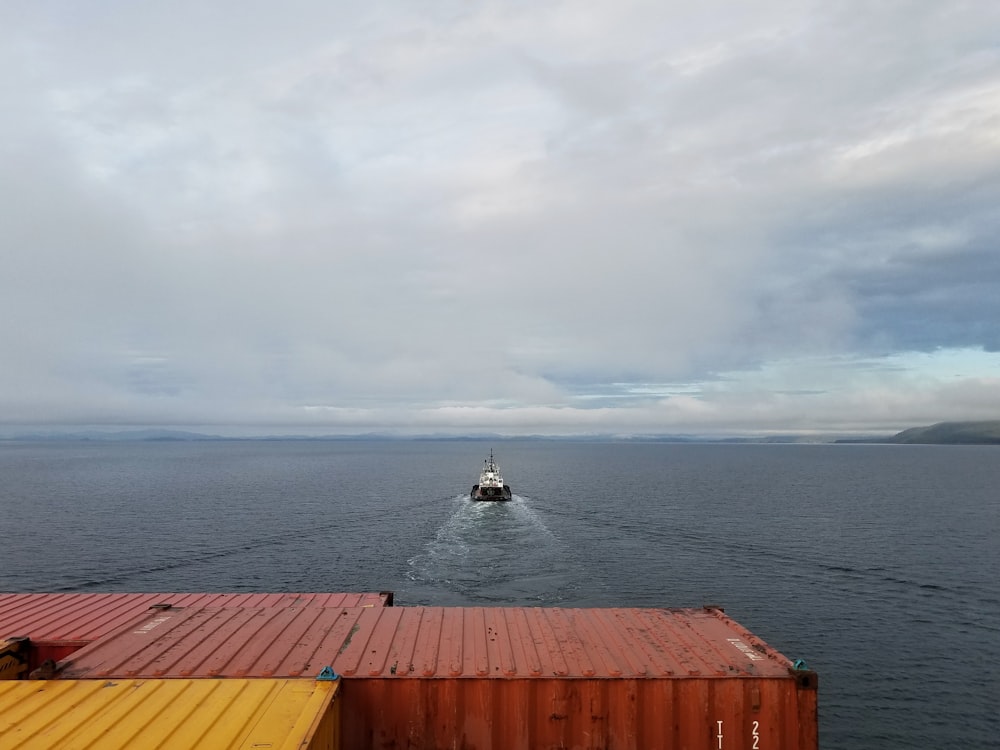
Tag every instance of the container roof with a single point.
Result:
(85, 617)
(215, 714)
(430, 642)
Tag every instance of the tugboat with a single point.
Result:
(491, 486)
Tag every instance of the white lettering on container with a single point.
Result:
(720, 734)
(756, 736)
(747, 650)
(150, 625)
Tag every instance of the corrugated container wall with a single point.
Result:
(148, 714)
(500, 677)
(59, 624)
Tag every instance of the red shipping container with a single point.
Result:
(59, 624)
(504, 677)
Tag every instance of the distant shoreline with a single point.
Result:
(942, 433)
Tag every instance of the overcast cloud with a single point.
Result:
(514, 217)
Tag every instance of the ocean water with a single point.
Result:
(877, 565)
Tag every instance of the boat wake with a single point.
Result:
(491, 553)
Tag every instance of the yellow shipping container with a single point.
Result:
(210, 714)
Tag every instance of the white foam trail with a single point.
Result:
(526, 512)
(478, 531)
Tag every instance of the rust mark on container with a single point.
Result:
(347, 641)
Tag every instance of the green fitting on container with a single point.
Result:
(327, 673)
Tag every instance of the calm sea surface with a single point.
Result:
(877, 565)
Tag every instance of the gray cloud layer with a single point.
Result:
(528, 217)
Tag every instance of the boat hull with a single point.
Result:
(491, 494)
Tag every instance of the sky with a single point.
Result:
(453, 217)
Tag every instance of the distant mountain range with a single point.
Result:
(943, 433)
(101, 435)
